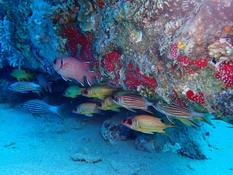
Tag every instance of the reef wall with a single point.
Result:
(177, 50)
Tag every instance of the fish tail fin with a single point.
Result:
(116, 110)
(89, 115)
(204, 118)
(59, 110)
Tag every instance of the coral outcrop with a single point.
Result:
(154, 48)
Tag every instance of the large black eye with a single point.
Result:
(129, 122)
(85, 92)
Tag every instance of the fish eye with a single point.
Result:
(85, 91)
(129, 121)
(115, 98)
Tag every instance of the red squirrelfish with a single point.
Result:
(146, 124)
(72, 69)
(131, 102)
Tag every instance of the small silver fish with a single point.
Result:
(25, 87)
(37, 106)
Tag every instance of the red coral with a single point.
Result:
(183, 60)
(134, 78)
(200, 63)
(191, 65)
(225, 73)
(111, 61)
(75, 38)
(174, 50)
(198, 97)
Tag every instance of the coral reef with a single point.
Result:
(42, 35)
(112, 131)
(8, 53)
(154, 48)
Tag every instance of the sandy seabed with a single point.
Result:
(44, 145)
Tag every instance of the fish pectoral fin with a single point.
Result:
(39, 93)
(116, 110)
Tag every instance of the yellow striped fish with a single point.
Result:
(132, 102)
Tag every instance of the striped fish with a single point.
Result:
(37, 106)
(132, 102)
(185, 115)
(25, 87)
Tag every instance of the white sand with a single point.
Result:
(43, 146)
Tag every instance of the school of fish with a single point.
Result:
(103, 98)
